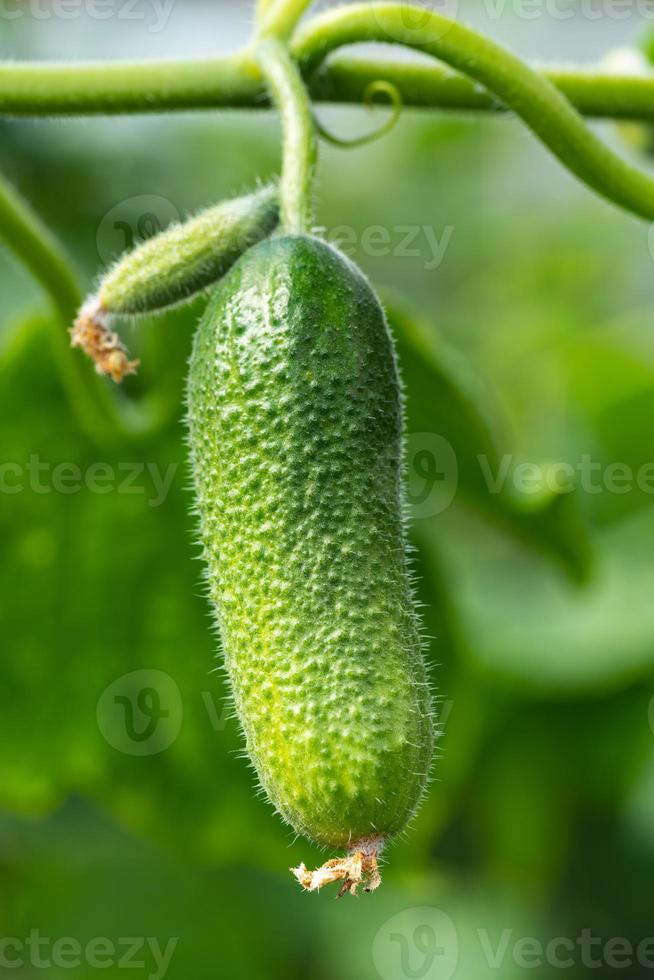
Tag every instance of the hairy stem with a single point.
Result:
(299, 137)
(423, 85)
(534, 99)
(36, 89)
(115, 88)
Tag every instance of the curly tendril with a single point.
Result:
(529, 94)
(380, 87)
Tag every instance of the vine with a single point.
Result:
(36, 246)
(32, 90)
(278, 18)
(292, 67)
(531, 96)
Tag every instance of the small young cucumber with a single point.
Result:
(167, 270)
(295, 415)
(188, 257)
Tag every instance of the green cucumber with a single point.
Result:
(295, 415)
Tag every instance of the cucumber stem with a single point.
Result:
(299, 135)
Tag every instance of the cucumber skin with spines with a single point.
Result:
(295, 416)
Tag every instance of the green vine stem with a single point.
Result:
(299, 136)
(278, 18)
(30, 89)
(99, 413)
(534, 99)
(480, 75)
(34, 244)
(593, 93)
(35, 89)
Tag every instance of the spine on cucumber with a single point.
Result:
(295, 415)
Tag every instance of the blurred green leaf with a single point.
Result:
(447, 398)
(525, 623)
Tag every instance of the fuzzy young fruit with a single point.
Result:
(295, 416)
(188, 257)
(169, 269)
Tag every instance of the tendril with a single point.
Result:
(379, 87)
(549, 115)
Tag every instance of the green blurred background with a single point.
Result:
(525, 321)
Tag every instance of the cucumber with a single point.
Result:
(170, 269)
(295, 414)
